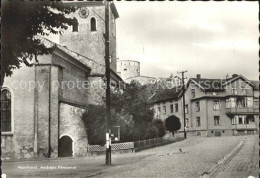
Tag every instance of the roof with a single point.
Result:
(209, 84)
(166, 94)
(128, 61)
(90, 63)
(218, 84)
(116, 76)
(114, 10)
(256, 83)
(141, 76)
(235, 77)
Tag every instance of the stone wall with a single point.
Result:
(91, 43)
(128, 68)
(19, 142)
(72, 125)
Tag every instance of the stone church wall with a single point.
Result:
(19, 143)
(91, 43)
(72, 125)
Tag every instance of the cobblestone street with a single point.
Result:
(245, 163)
(198, 155)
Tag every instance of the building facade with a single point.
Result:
(42, 105)
(213, 107)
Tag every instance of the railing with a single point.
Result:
(134, 145)
(154, 142)
(242, 110)
(116, 146)
(244, 126)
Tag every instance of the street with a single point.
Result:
(188, 158)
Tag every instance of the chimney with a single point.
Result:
(234, 75)
(198, 76)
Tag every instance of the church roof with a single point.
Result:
(90, 63)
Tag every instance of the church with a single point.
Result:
(42, 105)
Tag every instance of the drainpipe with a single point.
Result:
(207, 116)
(49, 129)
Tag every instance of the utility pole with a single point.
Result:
(183, 101)
(107, 62)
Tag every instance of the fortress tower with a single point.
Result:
(128, 68)
(87, 37)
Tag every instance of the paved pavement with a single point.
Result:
(197, 155)
(245, 163)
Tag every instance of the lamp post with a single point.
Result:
(183, 101)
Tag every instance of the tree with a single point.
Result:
(21, 21)
(94, 120)
(129, 110)
(172, 123)
(160, 127)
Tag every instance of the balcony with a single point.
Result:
(242, 110)
(244, 126)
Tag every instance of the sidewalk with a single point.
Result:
(245, 163)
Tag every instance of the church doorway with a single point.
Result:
(65, 147)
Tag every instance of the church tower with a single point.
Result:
(87, 37)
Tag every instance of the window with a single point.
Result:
(186, 109)
(228, 103)
(197, 106)
(234, 91)
(240, 102)
(198, 121)
(93, 25)
(233, 102)
(216, 120)
(249, 102)
(6, 111)
(164, 109)
(247, 120)
(193, 93)
(75, 26)
(216, 105)
(233, 120)
(159, 110)
(240, 120)
(171, 108)
(176, 107)
(187, 122)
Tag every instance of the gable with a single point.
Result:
(237, 79)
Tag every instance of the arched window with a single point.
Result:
(93, 25)
(6, 111)
(75, 26)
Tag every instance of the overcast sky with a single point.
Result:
(210, 38)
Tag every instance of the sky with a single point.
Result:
(208, 38)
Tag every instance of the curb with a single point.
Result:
(223, 161)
